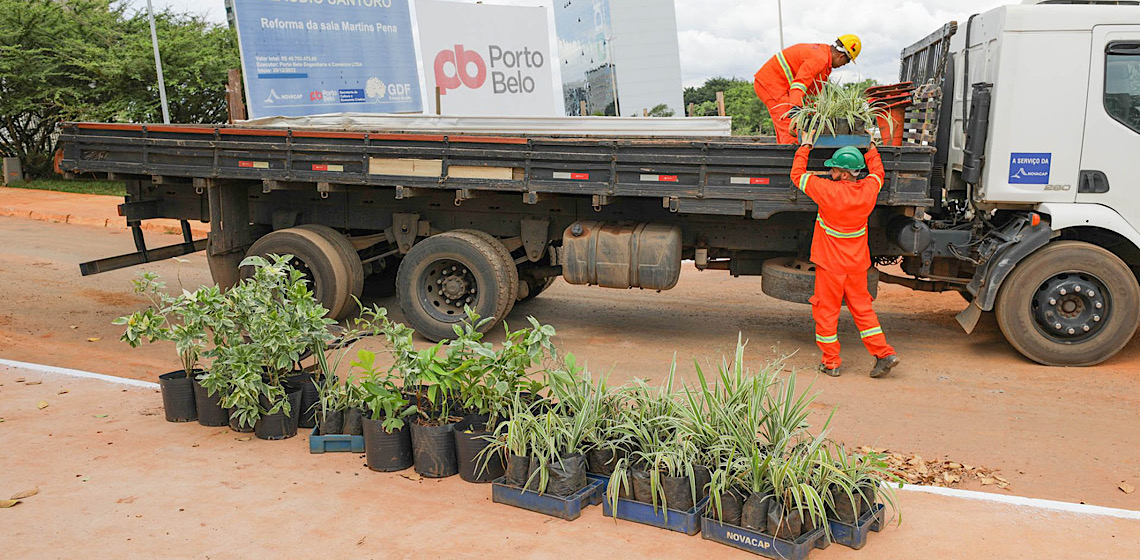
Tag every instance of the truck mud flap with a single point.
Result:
(1012, 244)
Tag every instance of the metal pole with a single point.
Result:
(613, 74)
(158, 64)
(779, 16)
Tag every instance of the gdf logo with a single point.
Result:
(466, 68)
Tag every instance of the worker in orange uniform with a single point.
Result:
(840, 252)
(796, 72)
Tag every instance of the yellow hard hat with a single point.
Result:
(851, 44)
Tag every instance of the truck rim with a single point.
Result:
(1071, 307)
(446, 286)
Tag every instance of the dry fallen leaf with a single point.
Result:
(20, 380)
(75, 326)
(100, 416)
(1126, 488)
(413, 478)
(987, 481)
(34, 382)
(26, 494)
(8, 503)
(42, 405)
(243, 438)
(95, 339)
(62, 392)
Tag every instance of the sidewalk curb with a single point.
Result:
(8, 211)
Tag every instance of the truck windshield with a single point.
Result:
(1122, 84)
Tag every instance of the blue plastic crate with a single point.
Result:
(855, 536)
(569, 508)
(600, 493)
(335, 443)
(840, 140)
(761, 544)
(687, 522)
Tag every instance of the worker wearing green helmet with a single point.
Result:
(840, 252)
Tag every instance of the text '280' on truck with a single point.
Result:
(1016, 187)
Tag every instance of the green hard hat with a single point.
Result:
(847, 157)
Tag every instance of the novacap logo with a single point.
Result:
(460, 67)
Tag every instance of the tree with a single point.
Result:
(749, 116)
(661, 110)
(87, 60)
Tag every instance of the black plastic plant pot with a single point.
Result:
(518, 469)
(702, 475)
(786, 524)
(731, 505)
(236, 425)
(678, 492)
(353, 422)
(433, 448)
(279, 425)
(387, 451)
(178, 396)
(309, 397)
(602, 461)
(754, 514)
(642, 489)
(210, 411)
(469, 443)
(331, 422)
(567, 476)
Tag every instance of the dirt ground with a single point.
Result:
(116, 481)
(1062, 434)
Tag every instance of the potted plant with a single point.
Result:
(859, 485)
(838, 110)
(489, 386)
(435, 378)
(387, 439)
(279, 320)
(187, 320)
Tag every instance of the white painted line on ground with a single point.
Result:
(1038, 503)
(77, 373)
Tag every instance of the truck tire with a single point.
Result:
(793, 280)
(1085, 289)
(505, 255)
(348, 254)
(441, 273)
(318, 258)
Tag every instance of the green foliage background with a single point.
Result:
(91, 60)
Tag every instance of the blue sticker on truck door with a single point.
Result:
(1029, 169)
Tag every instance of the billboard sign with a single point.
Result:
(308, 57)
(487, 60)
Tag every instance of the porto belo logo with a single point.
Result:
(509, 70)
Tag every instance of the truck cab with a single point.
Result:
(1041, 105)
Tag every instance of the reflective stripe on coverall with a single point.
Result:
(841, 256)
(786, 78)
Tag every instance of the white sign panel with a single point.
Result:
(487, 60)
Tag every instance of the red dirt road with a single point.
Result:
(116, 481)
(1063, 434)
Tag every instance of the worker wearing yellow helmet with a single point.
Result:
(798, 71)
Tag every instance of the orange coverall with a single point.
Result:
(840, 253)
(786, 78)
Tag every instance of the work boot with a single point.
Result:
(833, 372)
(883, 365)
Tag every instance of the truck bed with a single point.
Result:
(711, 176)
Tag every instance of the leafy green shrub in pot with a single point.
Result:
(186, 320)
(837, 109)
(387, 439)
(279, 321)
(858, 484)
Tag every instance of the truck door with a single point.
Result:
(1109, 162)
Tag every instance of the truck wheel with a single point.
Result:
(505, 255)
(348, 254)
(442, 273)
(317, 258)
(793, 280)
(1069, 304)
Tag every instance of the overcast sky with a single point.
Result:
(735, 37)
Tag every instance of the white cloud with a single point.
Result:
(735, 37)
